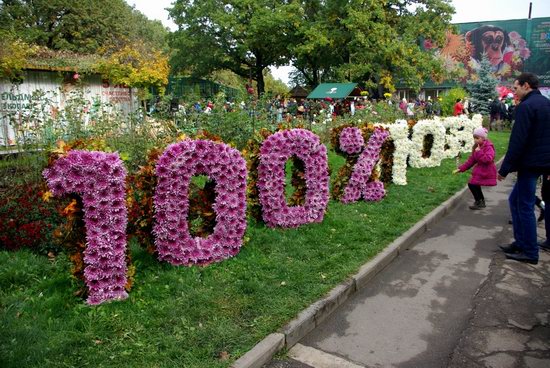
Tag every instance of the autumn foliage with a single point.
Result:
(134, 67)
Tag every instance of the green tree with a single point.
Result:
(374, 42)
(315, 46)
(274, 86)
(449, 98)
(13, 55)
(243, 36)
(483, 88)
(84, 26)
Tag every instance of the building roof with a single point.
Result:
(298, 92)
(333, 90)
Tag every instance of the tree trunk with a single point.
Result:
(260, 80)
(380, 89)
(315, 77)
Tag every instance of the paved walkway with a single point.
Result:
(451, 300)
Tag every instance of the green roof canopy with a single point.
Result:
(332, 90)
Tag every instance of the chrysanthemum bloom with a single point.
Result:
(419, 131)
(358, 185)
(351, 140)
(99, 178)
(276, 150)
(175, 168)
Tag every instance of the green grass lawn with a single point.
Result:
(206, 317)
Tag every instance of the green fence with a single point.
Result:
(185, 87)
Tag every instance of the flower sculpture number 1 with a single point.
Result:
(175, 168)
(275, 152)
(351, 141)
(99, 178)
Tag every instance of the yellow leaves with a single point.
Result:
(71, 208)
(46, 196)
(130, 275)
(136, 68)
(61, 148)
(57, 233)
(386, 81)
(124, 156)
(13, 54)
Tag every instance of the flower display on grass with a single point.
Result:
(276, 150)
(460, 130)
(99, 178)
(418, 157)
(359, 185)
(175, 168)
(28, 218)
(449, 136)
(399, 134)
(381, 171)
(351, 140)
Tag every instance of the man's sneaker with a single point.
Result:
(545, 245)
(521, 257)
(511, 248)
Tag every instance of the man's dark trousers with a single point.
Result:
(545, 191)
(522, 206)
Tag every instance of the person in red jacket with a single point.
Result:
(485, 171)
(459, 108)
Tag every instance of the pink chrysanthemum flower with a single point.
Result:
(174, 169)
(359, 184)
(89, 174)
(351, 140)
(275, 151)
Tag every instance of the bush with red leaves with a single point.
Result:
(27, 220)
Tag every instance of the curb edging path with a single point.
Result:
(316, 313)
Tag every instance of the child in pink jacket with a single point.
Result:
(485, 171)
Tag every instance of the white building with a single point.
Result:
(49, 91)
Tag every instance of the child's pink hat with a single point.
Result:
(480, 132)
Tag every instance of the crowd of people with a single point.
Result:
(285, 109)
(413, 107)
(502, 112)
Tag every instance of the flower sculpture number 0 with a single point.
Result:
(275, 152)
(99, 178)
(175, 168)
(359, 185)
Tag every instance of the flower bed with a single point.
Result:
(99, 179)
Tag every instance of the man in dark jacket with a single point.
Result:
(529, 155)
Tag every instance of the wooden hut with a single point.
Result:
(298, 93)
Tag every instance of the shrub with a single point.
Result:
(449, 100)
(28, 219)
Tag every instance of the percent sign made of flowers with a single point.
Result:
(99, 178)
